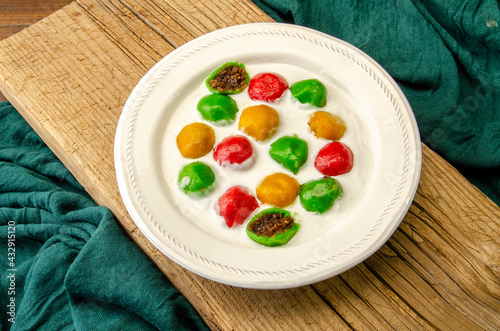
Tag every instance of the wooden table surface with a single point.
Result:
(70, 74)
(17, 15)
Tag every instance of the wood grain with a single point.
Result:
(438, 271)
(19, 14)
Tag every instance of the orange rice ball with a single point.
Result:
(326, 125)
(195, 140)
(278, 189)
(259, 122)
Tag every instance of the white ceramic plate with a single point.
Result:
(381, 131)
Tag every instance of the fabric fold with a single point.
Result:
(71, 265)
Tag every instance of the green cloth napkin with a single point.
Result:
(445, 56)
(65, 262)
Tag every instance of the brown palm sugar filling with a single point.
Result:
(229, 78)
(270, 224)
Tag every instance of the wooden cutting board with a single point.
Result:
(70, 74)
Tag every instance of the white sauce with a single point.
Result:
(293, 120)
